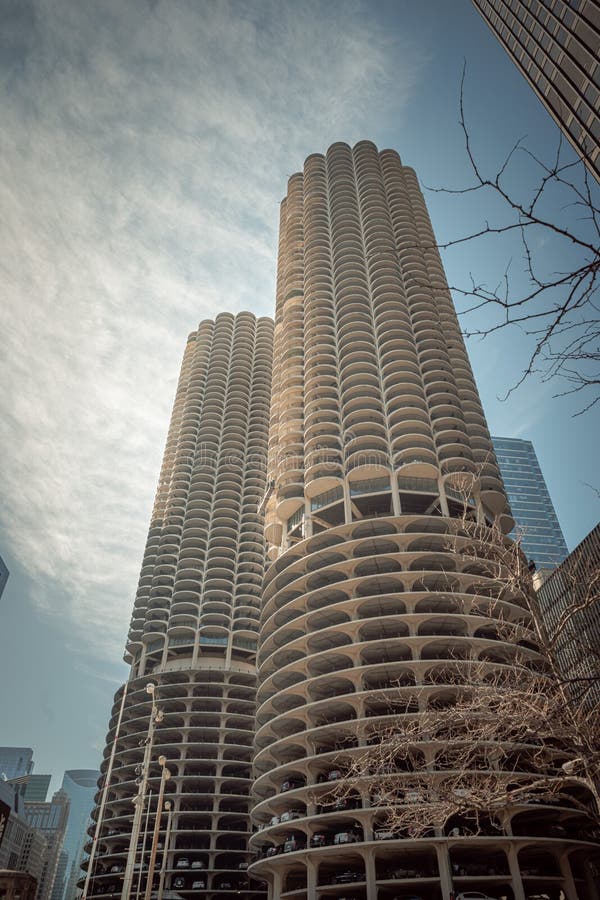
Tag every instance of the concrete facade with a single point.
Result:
(194, 626)
(17, 885)
(574, 585)
(378, 452)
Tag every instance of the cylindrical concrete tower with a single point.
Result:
(379, 453)
(194, 629)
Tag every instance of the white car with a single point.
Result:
(384, 834)
(291, 814)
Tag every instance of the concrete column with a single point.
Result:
(347, 503)
(569, 884)
(443, 500)
(370, 874)
(443, 862)
(311, 878)
(515, 873)
(277, 886)
(590, 883)
(396, 507)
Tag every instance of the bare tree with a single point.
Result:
(506, 729)
(559, 309)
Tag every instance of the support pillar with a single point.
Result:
(569, 884)
(370, 875)
(515, 873)
(590, 882)
(311, 878)
(443, 862)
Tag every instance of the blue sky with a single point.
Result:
(145, 146)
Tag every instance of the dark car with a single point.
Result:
(320, 839)
(290, 783)
(347, 877)
(292, 844)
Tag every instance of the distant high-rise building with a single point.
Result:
(22, 847)
(556, 45)
(532, 508)
(80, 785)
(194, 627)
(50, 818)
(4, 573)
(17, 885)
(574, 586)
(15, 761)
(37, 787)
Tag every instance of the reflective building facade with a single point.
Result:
(80, 786)
(556, 46)
(532, 508)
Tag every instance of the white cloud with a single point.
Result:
(144, 149)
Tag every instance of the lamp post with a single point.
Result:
(106, 785)
(139, 800)
(163, 866)
(138, 889)
(164, 777)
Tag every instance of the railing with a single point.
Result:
(328, 497)
(369, 486)
(155, 645)
(296, 519)
(176, 642)
(426, 485)
(244, 642)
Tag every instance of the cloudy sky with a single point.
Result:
(145, 145)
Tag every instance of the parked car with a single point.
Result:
(473, 895)
(291, 814)
(347, 837)
(334, 775)
(198, 864)
(182, 863)
(347, 877)
(116, 869)
(274, 820)
(292, 844)
(290, 783)
(384, 834)
(320, 839)
(273, 851)
(198, 885)
(242, 866)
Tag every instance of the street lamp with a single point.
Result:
(164, 777)
(156, 716)
(163, 866)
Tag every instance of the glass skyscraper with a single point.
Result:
(532, 508)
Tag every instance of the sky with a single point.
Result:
(145, 147)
